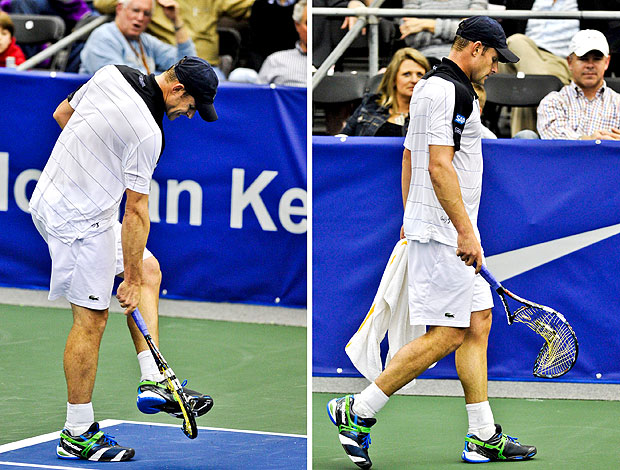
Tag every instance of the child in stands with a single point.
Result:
(8, 47)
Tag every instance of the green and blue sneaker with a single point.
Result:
(92, 445)
(499, 447)
(353, 430)
(154, 397)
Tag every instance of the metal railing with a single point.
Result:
(371, 16)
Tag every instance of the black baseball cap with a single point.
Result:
(490, 33)
(200, 81)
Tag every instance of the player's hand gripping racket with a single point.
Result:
(189, 422)
(559, 352)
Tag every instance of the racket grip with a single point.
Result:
(137, 317)
(484, 272)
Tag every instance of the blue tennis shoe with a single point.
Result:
(353, 430)
(154, 397)
(94, 444)
(499, 447)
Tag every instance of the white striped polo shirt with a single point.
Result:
(444, 110)
(111, 143)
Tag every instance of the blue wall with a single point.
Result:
(237, 230)
(533, 192)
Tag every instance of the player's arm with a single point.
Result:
(405, 180)
(134, 232)
(63, 113)
(446, 185)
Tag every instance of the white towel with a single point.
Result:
(388, 313)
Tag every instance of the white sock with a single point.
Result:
(148, 368)
(79, 418)
(481, 422)
(370, 401)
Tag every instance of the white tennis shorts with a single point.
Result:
(443, 291)
(83, 272)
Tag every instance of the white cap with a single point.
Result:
(588, 40)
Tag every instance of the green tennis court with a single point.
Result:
(249, 369)
(422, 432)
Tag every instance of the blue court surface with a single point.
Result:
(160, 447)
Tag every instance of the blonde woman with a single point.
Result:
(386, 113)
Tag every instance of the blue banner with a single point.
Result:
(227, 204)
(549, 221)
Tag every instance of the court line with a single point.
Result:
(30, 441)
(34, 465)
(208, 428)
(113, 422)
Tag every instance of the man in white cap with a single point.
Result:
(586, 108)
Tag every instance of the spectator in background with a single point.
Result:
(289, 67)
(386, 113)
(8, 48)
(327, 31)
(271, 30)
(282, 67)
(586, 108)
(200, 18)
(542, 49)
(124, 42)
(434, 37)
(482, 100)
(73, 12)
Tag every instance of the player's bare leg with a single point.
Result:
(471, 357)
(149, 304)
(153, 394)
(354, 415)
(417, 356)
(81, 437)
(484, 441)
(82, 352)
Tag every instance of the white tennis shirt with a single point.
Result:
(111, 143)
(444, 110)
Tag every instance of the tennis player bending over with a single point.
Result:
(111, 140)
(441, 186)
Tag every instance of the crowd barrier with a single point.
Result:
(227, 203)
(549, 221)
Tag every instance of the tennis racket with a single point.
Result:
(559, 352)
(189, 421)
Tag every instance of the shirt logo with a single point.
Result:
(460, 119)
(141, 80)
(457, 130)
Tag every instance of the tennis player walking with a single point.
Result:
(441, 187)
(111, 140)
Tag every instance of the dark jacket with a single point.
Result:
(368, 118)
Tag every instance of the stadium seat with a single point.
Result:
(338, 95)
(510, 90)
(33, 31)
(372, 84)
(340, 87)
(37, 29)
(613, 83)
(230, 45)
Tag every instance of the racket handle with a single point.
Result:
(137, 317)
(484, 272)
